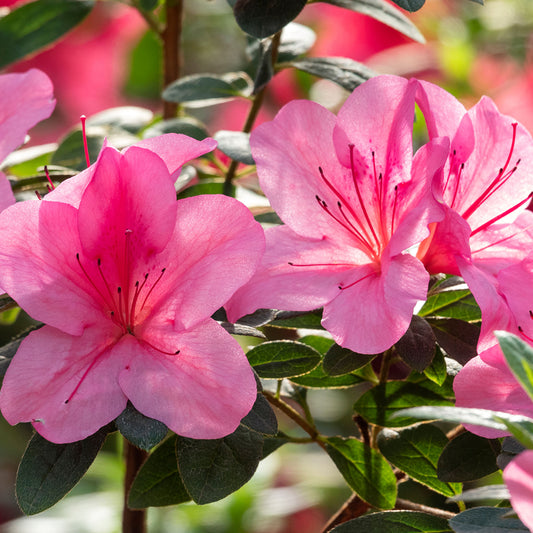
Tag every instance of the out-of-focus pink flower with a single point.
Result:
(518, 476)
(353, 201)
(126, 279)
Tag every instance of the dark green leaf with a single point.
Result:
(208, 186)
(268, 218)
(417, 346)
(148, 5)
(261, 418)
(129, 118)
(213, 469)
(38, 24)
(8, 351)
(185, 125)
(451, 301)
(410, 5)
(298, 320)
(436, 371)
(384, 12)
(339, 361)
(271, 444)
(521, 428)
(343, 71)
(485, 520)
(318, 379)
(519, 357)
(283, 359)
(241, 329)
(395, 522)
(158, 481)
(380, 403)
(319, 343)
(510, 449)
(48, 471)
(235, 144)
(416, 451)
(365, 471)
(141, 431)
(201, 90)
(456, 337)
(262, 18)
(265, 68)
(467, 458)
(487, 492)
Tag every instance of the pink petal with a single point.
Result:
(71, 190)
(176, 149)
(297, 287)
(51, 367)
(490, 386)
(25, 100)
(203, 392)
(518, 476)
(215, 249)
(39, 269)
(373, 314)
(7, 197)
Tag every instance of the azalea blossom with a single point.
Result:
(126, 278)
(485, 190)
(25, 99)
(518, 476)
(353, 201)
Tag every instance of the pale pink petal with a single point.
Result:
(7, 197)
(215, 249)
(490, 386)
(376, 311)
(40, 270)
(25, 100)
(319, 267)
(202, 392)
(518, 476)
(71, 190)
(176, 149)
(67, 386)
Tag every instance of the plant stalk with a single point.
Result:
(133, 520)
(172, 57)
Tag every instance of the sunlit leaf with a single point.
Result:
(485, 520)
(395, 522)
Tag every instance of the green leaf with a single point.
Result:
(241, 329)
(207, 186)
(296, 40)
(213, 469)
(436, 371)
(410, 5)
(521, 429)
(148, 5)
(261, 418)
(379, 404)
(48, 471)
(283, 359)
(395, 522)
(365, 471)
(467, 458)
(185, 125)
(319, 343)
(318, 379)
(510, 449)
(417, 345)
(485, 520)
(262, 18)
(343, 71)
(298, 320)
(202, 90)
(384, 12)
(128, 118)
(140, 430)
(519, 357)
(416, 452)
(38, 24)
(487, 492)
(339, 361)
(158, 481)
(235, 144)
(456, 337)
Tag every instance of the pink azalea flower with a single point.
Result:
(485, 191)
(25, 99)
(126, 278)
(353, 201)
(518, 476)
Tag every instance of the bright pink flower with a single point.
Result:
(353, 201)
(126, 279)
(518, 476)
(25, 99)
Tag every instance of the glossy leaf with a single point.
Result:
(436, 371)
(235, 144)
(410, 5)
(35, 25)
(140, 430)
(261, 418)
(456, 337)
(365, 471)
(186, 125)
(417, 345)
(241, 329)
(48, 471)
(283, 359)
(467, 458)
(343, 71)
(384, 12)
(486, 492)
(298, 320)
(485, 520)
(262, 18)
(339, 361)
(207, 186)
(510, 449)
(379, 404)
(213, 469)
(395, 522)
(451, 300)
(129, 118)
(519, 357)
(158, 481)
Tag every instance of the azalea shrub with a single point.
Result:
(182, 285)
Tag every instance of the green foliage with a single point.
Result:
(410, 5)
(235, 144)
(456, 337)
(395, 522)
(35, 25)
(184, 125)
(417, 346)
(141, 431)
(436, 371)
(339, 361)
(485, 520)
(519, 357)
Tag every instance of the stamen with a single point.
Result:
(344, 287)
(89, 279)
(83, 118)
(152, 288)
(524, 335)
(319, 264)
(394, 209)
(159, 350)
(51, 185)
(39, 197)
(109, 292)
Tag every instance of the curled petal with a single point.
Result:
(518, 476)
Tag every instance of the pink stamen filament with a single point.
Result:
(495, 243)
(39, 197)
(159, 350)
(51, 185)
(319, 264)
(344, 287)
(394, 209)
(152, 288)
(83, 118)
(459, 174)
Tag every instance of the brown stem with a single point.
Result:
(172, 50)
(133, 520)
(411, 506)
(352, 508)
